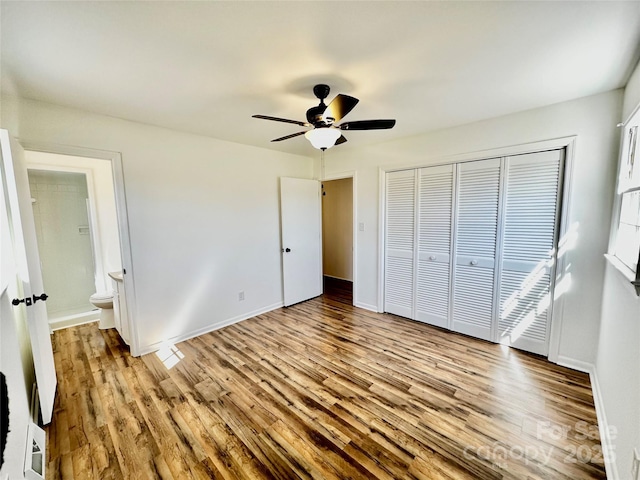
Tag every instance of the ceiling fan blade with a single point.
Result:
(368, 125)
(288, 137)
(342, 139)
(338, 108)
(276, 119)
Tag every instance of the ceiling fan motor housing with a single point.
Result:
(321, 91)
(314, 114)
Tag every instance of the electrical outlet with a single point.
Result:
(240, 296)
(635, 467)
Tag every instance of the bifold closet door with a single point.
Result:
(399, 242)
(435, 203)
(528, 256)
(478, 186)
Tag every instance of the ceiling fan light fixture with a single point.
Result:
(323, 137)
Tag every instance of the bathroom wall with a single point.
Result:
(59, 201)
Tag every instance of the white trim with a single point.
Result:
(210, 328)
(617, 199)
(625, 271)
(366, 306)
(557, 312)
(630, 116)
(573, 364)
(123, 218)
(624, 274)
(382, 212)
(498, 152)
(352, 174)
(73, 320)
(567, 143)
(608, 448)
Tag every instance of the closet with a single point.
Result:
(470, 247)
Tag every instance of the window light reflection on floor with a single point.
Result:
(170, 356)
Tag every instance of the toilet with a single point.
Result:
(104, 301)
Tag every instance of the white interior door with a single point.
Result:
(15, 188)
(435, 214)
(527, 270)
(475, 248)
(301, 223)
(400, 243)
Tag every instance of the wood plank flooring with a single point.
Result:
(318, 390)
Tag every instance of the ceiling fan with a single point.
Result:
(326, 133)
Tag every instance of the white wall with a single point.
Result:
(617, 365)
(101, 182)
(203, 216)
(592, 119)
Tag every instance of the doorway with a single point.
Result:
(77, 230)
(337, 238)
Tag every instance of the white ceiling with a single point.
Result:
(206, 67)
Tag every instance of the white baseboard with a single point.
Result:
(209, 328)
(573, 364)
(366, 306)
(608, 449)
(73, 320)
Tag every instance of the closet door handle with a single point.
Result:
(473, 262)
(433, 257)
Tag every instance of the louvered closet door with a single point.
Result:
(526, 277)
(475, 247)
(399, 242)
(435, 201)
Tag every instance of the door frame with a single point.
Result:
(565, 230)
(121, 211)
(352, 174)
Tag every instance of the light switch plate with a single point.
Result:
(361, 226)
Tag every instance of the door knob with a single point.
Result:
(287, 250)
(42, 297)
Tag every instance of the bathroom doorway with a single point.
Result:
(60, 211)
(338, 238)
(77, 230)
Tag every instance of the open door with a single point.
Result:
(15, 189)
(301, 222)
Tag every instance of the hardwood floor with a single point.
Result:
(318, 390)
